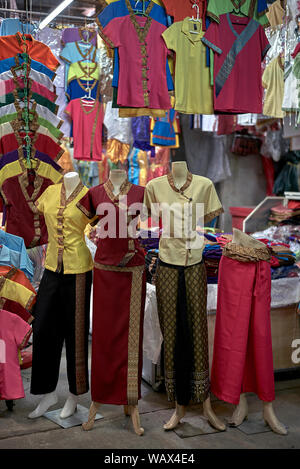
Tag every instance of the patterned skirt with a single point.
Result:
(181, 300)
(118, 318)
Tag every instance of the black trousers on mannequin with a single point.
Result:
(61, 315)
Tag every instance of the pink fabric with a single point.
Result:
(87, 129)
(121, 32)
(8, 86)
(242, 91)
(14, 334)
(243, 359)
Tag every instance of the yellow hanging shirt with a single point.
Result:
(193, 92)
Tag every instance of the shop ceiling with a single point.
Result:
(78, 9)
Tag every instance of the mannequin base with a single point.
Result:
(70, 407)
(47, 401)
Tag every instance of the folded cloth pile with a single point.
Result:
(290, 214)
(212, 254)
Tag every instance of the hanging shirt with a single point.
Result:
(41, 111)
(181, 250)
(13, 253)
(19, 189)
(75, 52)
(42, 142)
(13, 115)
(18, 59)
(115, 249)
(16, 292)
(17, 95)
(273, 81)
(79, 88)
(12, 45)
(276, 14)
(180, 9)
(9, 85)
(142, 56)
(119, 9)
(33, 75)
(87, 129)
(239, 50)
(83, 70)
(67, 248)
(11, 26)
(216, 8)
(79, 34)
(14, 335)
(193, 92)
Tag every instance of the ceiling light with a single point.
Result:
(55, 13)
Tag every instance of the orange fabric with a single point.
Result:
(13, 45)
(19, 277)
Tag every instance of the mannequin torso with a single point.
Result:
(180, 173)
(71, 181)
(117, 177)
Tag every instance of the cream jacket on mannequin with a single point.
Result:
(180, 173)
(71, 181)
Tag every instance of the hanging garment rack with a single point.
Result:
(39, 13)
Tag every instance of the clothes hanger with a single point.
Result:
(195, 31)
(140, 12)
(238, 12)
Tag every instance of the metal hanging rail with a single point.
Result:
(39, 13)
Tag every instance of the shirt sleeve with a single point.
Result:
(169, 36)
(87, 206)
(111, 33)
(213, 10)
(213, 206)
(212, 38)
(66, 54)
(264, 43)
(22, 331)
(69, 108)
(52, 61)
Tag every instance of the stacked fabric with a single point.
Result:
(283, 259)
(280, 214)
(212, 254)
(29, 133)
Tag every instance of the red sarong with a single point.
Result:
(243, 359)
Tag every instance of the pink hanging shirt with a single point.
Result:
(14, 335)
(87, 129)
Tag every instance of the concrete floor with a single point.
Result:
(114, 431)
